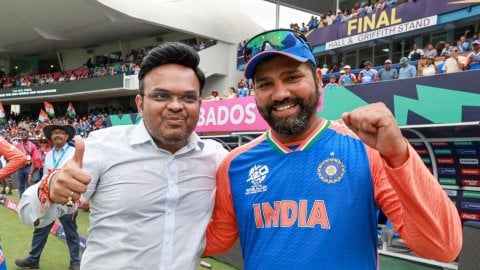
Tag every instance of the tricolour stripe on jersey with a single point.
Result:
(309, 141)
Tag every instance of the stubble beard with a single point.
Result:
(292, 124)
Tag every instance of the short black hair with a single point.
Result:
(171, 53)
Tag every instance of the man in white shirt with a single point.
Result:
(61, 151)
(455, 62)
(151, 186)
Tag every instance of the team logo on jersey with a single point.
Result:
(331, 170)
(256, 176)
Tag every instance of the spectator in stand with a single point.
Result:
(429, 68)
(454, 62)
(330, 17)
(430, 51)
(332, 84)
(387, 72)
(232, 93)
(243, 91)
(368, 74)
(348, 78)
(324, 69)
(474, 56)
(463, 45)
(447, 50)
(362, 11)
(380, 5)
(406, 70)
(304, 29)
(415, 54)
(312, 24)
(28, 149)
(323, 21)
(390, 3)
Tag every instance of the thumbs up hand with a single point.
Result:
(67, 184)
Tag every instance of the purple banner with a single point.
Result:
(403, 13)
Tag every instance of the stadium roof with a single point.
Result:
(29, 28)
(314, 7)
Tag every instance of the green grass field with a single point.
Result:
(16, 237)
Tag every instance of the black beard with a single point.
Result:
(293, 124)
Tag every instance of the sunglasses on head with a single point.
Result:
(278, 40)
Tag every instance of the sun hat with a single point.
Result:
(47, 130)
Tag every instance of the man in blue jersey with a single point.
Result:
(305, 194)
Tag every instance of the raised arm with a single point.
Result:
(404, 189)
(13, 155)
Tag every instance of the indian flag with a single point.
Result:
(42, 116)
(3, 117)
(49, 108)
(70, 111)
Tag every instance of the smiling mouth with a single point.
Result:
(284, 107)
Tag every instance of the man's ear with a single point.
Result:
(139, 103)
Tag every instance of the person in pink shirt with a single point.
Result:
(28, 149)
(38, 159)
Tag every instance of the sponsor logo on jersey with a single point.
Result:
(288, 213)
(331, 170)
(256, 176)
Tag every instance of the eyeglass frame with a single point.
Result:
(182, 98)
(296, 33)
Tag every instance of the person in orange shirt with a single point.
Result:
(306, 193)
(15, 160)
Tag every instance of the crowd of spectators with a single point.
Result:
(83, 124)
(104, 66)
(419, 62)
(345, 14)
(244, 88)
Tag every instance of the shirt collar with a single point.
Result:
(62, 149)
(140, 135)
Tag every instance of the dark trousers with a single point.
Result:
(22, 174)
(40, 236)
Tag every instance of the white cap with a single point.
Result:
(347, 66)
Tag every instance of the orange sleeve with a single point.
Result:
(222, 231)
(14, 156)
(417, 206)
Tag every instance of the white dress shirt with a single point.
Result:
(149, 208)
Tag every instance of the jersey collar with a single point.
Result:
(309, 141)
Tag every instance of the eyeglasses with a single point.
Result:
(165, 96)
(59, 133)
(278, 40)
